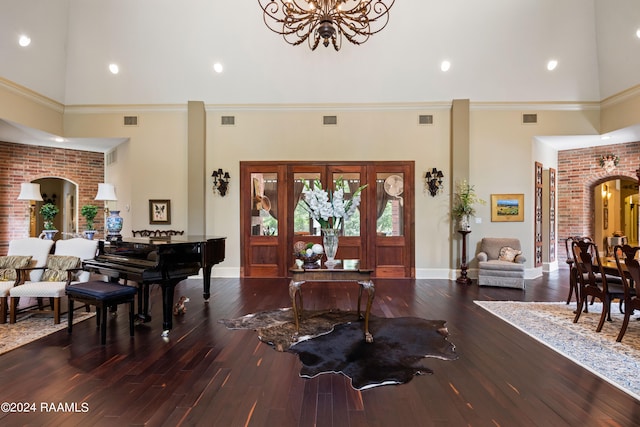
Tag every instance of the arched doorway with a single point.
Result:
(62, 193)
(615, 203)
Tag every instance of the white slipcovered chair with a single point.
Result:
(62, 268)
(501, 263)
(22, 253)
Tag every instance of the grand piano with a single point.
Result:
(162, 261)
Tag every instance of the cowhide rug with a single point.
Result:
(332, 341)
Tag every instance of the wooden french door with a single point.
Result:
(380, 234)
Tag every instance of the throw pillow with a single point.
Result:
(57, 266)
(508, 254)
(8, 265)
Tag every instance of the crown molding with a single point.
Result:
(537, 106)
(619, 97)
(123, 108)
(31, 95)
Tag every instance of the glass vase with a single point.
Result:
(330, 243)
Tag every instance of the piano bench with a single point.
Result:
(103, 295)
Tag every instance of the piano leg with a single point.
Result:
(206, 278)
(143, 302)
(167, 307)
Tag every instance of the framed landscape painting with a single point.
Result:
(507, 207)
(160, 211)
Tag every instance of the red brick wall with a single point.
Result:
(24, 163)
(578, 173)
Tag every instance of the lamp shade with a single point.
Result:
(106, 192)
(29, 191)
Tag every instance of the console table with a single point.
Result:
(345, 271)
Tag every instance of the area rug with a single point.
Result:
(32, 327)
(552, 325)
(333, 341)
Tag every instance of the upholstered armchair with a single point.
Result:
(21, 256)
(62, 268)
(501, 263)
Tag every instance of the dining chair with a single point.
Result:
(593, 280)
(629, 269)
(573, 272)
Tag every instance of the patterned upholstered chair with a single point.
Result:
(501, 263)
(22, 254)
(62, 268)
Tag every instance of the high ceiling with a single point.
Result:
(166, 50)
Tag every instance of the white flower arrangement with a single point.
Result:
(330, 209)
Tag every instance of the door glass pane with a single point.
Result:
(351, 183)
(303, 224)
(389, 203)
(264, 210)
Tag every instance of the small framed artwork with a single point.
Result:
(160, 211)
(507, 207)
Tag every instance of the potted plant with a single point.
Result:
(49, 212)
(89, 213)
(464, 199)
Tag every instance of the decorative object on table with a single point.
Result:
(335, 344)
(49, 212)
(309, 253)
(89, 213)
(330, 210)
(221, 181)
(326, 20)
(160, 211)
(463, 204)
(433, 181)
(608, 162)
(507, 207)
(330, 241)
(113, 222)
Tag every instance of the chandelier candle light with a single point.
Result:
(312, 20)
(330, 210)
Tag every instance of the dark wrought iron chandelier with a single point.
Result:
(326, 20)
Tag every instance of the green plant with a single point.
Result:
(89, 212)
(464, 199)
(49, 212)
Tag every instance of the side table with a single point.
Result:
(345, 271)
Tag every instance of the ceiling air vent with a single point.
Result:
(131, 120)
(529, 118)
(425, 119)
(329, 120)
(228, 120)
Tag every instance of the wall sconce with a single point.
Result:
(221, 181)
(433, 181)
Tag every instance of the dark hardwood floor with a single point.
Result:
(207, 375)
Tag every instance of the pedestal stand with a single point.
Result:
(463, 279)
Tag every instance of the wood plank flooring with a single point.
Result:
(207, 375)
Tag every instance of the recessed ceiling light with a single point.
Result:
(114, 68)
(638, 33)
(605, 137)
(24, 40)
(552, 64)
(58, 139)
(217, 67)
(445, 65)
